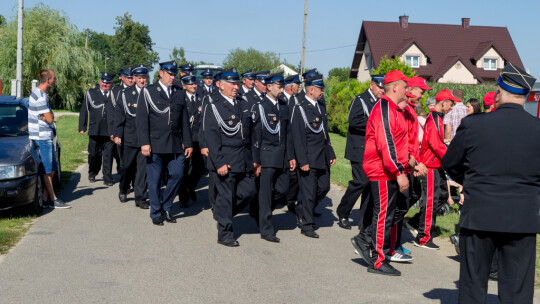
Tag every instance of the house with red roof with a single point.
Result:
(437, 52)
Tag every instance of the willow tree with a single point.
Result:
(50, 41)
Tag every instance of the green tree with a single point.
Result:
(178, 55)
(131, 45)
(50, 41)
(102, 44)
(341, 73)
(250, 59)
(2, 20)
(396, 63)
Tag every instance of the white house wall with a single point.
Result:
(458, 73)
(491, 54)
(363, 71)
(413, 50)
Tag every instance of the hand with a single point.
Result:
(188, 152)
(82, 132)
(403, 182)
(146, 150)
(118, 140)
(223, 170)
(461, 198)
(420, 170)
(111, 137)
(257, 169)
(332, 162)
(450, 201)
(204, 151)
(305, 168)
(292, 164)
(412, 162)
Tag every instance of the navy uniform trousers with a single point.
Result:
(516, 256)
(174, 162)
(235, 191)
(314, 185)
(100, 148)
(193, 171)
(273, 189)
(133, 165)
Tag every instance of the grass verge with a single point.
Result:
(13, 225)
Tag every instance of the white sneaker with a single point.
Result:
(401, 258)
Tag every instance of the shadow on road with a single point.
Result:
(450, 296)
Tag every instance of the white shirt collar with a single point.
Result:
(207, 87)
(164, 88)
(274, 102)
(257, 92)
(245, 89)
(369, 90)
(287, 95)
(125, 86)
(189, 95)
(104, 93)
(138, 89)
(313, 102)
(228, 99)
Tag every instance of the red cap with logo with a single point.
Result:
(444, 95)
(394, 75)
(418, 82)
(489, 99)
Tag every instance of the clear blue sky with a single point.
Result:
(213, 26)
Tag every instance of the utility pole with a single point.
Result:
(86, 41)
(303, 60)
(20, 51)
(106, 57)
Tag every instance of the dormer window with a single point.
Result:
(490, 64)
(413, 61)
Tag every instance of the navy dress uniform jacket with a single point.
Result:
(194, 111)
(93, 115)
(223, 149)
(164, 132)
(495, 157)
(125, 113)
(310, 147)
(252, 98)
(272, 150)
(356, 133)
(115, 97)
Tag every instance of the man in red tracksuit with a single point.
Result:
(386, 160)
(432, 151)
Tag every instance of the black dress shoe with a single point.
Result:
(142, 205)
(271, 238)
(122, 197)
(168, 217)
(344, 223)
(92, 179)
(158, 221)
(299, 221)
(384, 269)
(311, 234)
(229, 243)
(108, 183)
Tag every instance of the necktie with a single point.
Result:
(192, 98)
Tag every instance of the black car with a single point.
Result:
(21, 171)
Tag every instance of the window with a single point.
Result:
(490, 64)
(369, 62)
(413, 61)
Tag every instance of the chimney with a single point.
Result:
(466, 23)
(404, 21)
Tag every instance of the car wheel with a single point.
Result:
(36, 206)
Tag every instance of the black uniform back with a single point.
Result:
(125, 116)
(271, 150)
(233, 149)
(357, 118)
(253, 98)
(169, 128)
(94, 111)
(498, 153)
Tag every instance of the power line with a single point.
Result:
(281, 53)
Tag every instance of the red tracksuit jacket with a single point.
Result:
(433, 146)
(386, 155)
(412, 133)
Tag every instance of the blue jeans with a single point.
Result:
(47, 154)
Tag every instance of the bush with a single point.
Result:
(339, 97)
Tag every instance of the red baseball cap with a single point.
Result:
(489, 99)
(410, 95)
(394, 75)
(418, 82)
(444, 95)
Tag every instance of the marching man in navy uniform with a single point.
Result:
(165, 139)
(259, 89)
(248, 79)
(227, 126)
(207, 86)
(125, 119)
(94, 111)
(313, 151)
(292, 87)
(502, 193)
(271, 153)
(194, 166)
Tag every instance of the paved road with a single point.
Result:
(102, 251)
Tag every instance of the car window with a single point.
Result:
(13, 120)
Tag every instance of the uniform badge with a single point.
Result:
(230, 122)
(133, 92)
(316, 118)
(159, 89)
(233, 117)
(174, 89)
(199, 108)
(93, 102)
(274, 118)
(135, 105)
(129, 105)
(314, 125)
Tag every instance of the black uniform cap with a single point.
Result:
(249, 75)
(189, 78)
(188, 67)
(230, 75)
(207, 74)
(378, 79)
(169, 67)
(310, 73)
(275, 78)
(316, 80)
(140, 70)
(262, 75)
(107, 77)
(293, 79)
